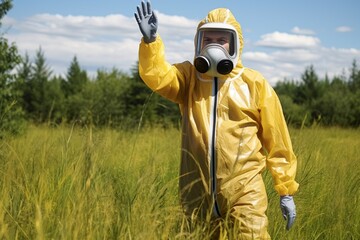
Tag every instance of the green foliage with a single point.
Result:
(149, 107)
(42, 94)
(55, 107)
(36, 97)
(310, 89)
(116, 99)
(110, 106)
(334, 104)
(139, 101)
(354, 81)
(322, 101)
(75, 80)
(111, 98)
(5, 6)
(11, 114)
(296, 114)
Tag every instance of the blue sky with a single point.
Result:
(281, 37)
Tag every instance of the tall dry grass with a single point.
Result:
(82, 183)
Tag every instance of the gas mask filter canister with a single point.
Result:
(214, 60)
(211, 57)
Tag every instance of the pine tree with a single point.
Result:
(38, 98)
(140, 101)
(76, 78)
(22, 81)
(354, 81)
(309, 90)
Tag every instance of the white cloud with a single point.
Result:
(81, 27)
(343, 29)
(112, 41)
(285, 40)
(302, 31)
(97, 41)
(291, 63)
(179, 51)
(258, 56)
(8, 21)
(296, 55)
(179, 21)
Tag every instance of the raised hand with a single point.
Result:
(147, 21)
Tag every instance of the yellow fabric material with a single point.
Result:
(250, 134)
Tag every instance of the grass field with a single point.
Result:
(64, 183)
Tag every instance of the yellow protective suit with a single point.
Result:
(232, 128)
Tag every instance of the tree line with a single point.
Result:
(111, 98)
(31, 93)
(330, 102)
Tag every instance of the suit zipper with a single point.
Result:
(213, 161)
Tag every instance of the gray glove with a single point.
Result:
(288, 210)
(147, 21)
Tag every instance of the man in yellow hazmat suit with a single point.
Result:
(232, 124)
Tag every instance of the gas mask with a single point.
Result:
(216, 49)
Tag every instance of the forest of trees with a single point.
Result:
(30, 93)
(330, 102)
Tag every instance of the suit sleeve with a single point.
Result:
(281, 160)
(159, 75)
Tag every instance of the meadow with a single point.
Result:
(88, 183)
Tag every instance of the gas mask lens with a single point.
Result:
(222, 37)
(216, 49)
